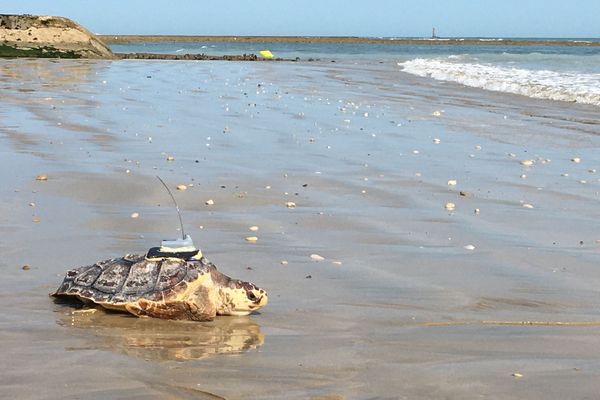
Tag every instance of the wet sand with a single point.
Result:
(412, 300)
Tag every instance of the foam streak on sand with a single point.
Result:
(541, 84)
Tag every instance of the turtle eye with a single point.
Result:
(251, 296)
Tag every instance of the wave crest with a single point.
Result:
(541, 84)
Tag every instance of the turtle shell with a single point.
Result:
(127, 279)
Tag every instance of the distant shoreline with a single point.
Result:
(345, 39)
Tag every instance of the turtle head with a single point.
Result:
(239, 297)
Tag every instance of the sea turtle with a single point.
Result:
(173, 281)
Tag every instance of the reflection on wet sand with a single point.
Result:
(158, 340)
(48, 74)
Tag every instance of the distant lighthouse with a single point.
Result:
(433, 33)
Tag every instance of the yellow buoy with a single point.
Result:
(266, 54)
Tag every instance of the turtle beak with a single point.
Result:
(261, 301)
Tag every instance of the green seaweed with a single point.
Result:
(39, 52)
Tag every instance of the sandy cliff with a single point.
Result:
(45, 36)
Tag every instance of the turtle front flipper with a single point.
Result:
(178, 309)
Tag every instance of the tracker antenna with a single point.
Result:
(176, 206)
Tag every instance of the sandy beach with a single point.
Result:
(458, 230)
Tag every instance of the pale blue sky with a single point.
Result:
(507, 18)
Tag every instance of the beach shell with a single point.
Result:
(170, 158)
(210, 202)
(527, 205)
(41, 178)
(252, 239)
(284, 262)
(135, 215)
(517, 375)
(436, 141)
(576, 160)
(316, 257)
(527, 163)
(290, 204)
(469, 247)
(452, 182)
(450, 206)
(253, 228)
(436, 113)
(181, 187)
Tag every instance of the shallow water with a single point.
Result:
(409, 312)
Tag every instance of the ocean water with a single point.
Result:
(561, 73)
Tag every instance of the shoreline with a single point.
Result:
(343, 39)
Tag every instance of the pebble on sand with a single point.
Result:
(25, 267)
(252, 239)
(210, 202)
(290, 204)
(135, 215)
(41, 178)
(181, 187)
(450, 206)
(316, 257)
(253, 228)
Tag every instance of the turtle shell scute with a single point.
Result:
(142, 278)
(85, 276)
(114, 274)
(171, 273)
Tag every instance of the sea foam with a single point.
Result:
(542, 84)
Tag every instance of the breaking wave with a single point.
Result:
(542, 84)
